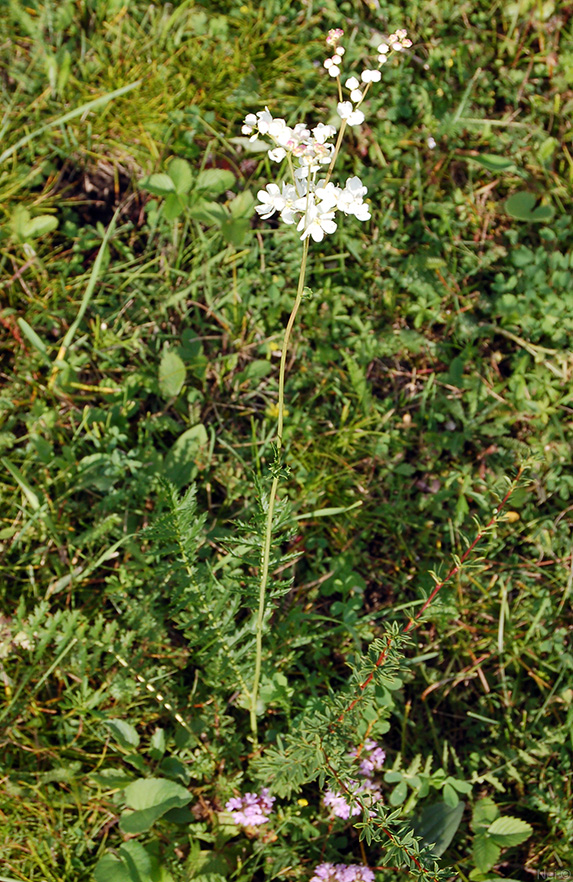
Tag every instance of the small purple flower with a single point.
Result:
(251, 809)
(338, 804)
(371, 757)
(342, 873)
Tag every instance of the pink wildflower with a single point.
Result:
(251, 809)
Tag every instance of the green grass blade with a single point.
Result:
(72, 114)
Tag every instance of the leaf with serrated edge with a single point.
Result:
(485, 853)
(509, 831)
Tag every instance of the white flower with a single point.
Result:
(352, 83)
(315, 223)
(334, 71)
(361, 212)
(271, 200)
(290, 196)
(356, 118)
(277, 127)
(383, 49)
(264, 121)
(356, 95)
(350, 199)
(382, 59)
(352, 117)
(277, 154)
(322, 133)
(250, 124)
(340, 50)
(328, 195)
(299, 134)
(398, 41)
(333, 37)
(431, 142)
(370, 76)
(337, 58)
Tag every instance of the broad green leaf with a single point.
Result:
(137, 861)
(173, 206)
(438, 824)
(173, 768)
(181, 463)
(234, 231)
(19, 219)
(522, 207)
(157, 744)
(450, 796)
(493, 162)
(215, 180)
(150, 798)
(158, 184)
(509, 831)
(485, 852)
(209, 213)
(39, 226)
(181, 175)
(208, 865)
(110, 868)
(182, 815)
(256, 370)
(242, 205)
(134, 863)
(399, 794)
(171, 374)
(148, 793)
(124, 733)
(460, 786)
(485, 811)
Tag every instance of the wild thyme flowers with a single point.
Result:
(342, 873)
(371, 759)
(251, 809)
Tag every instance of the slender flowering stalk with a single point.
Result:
(309, 199)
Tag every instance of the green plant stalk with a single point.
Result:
(265, 559)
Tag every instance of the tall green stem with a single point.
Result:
(266, 556)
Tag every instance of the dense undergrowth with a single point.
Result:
(139, 345)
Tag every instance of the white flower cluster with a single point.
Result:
(312, 204)
(309, 150)
(309, 201)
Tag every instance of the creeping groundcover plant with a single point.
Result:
(334, 748)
